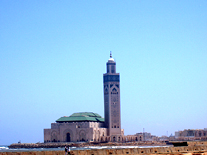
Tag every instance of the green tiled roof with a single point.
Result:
(82, 117)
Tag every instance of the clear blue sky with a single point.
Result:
(53, 55)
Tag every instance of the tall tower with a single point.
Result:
(112, 100)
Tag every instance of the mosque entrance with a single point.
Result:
(68, 137)
(114, 139)
(82, 135)
(82, 140)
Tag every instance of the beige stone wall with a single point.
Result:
(99, 134)
(189, 150)
(87, 131)
(91, 132)
(47, 135)
(132, 138)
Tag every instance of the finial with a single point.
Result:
(110, 54)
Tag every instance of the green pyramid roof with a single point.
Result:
(82, 117)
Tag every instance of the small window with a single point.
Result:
(107, 69)
(112, 69)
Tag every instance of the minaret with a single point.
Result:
(112, 100)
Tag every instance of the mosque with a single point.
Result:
(89, 126)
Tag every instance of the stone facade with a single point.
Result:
(75, 132)
(191, 134)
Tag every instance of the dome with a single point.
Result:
(81, 117)
(111, 59)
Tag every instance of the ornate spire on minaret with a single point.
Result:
(110, 54)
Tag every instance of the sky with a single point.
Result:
(53, 56)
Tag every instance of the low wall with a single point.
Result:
(190, 143)
(188, 150)
(86, 144)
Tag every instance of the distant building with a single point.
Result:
(145, 136)
(191, 134)
(89, 126)
(163, 138)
